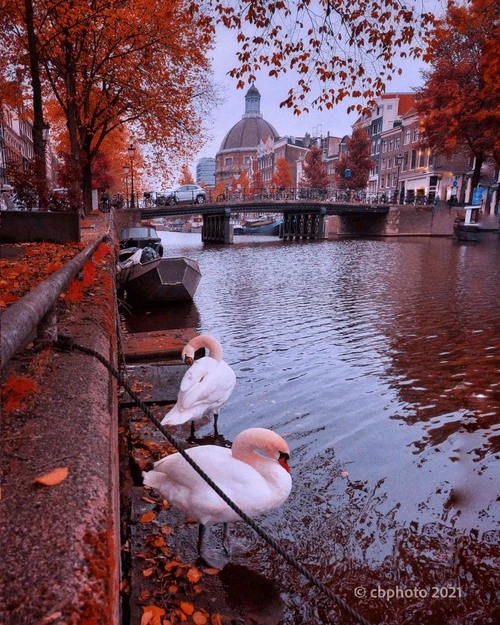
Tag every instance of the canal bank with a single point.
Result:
(59, 501)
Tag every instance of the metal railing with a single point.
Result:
(36, 311)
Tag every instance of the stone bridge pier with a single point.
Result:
(300, 224)
(217, 227)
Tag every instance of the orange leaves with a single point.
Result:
(375, 33)
(147, 517)
(39, 260)
(152, 615)
(193, 575)
(53, 477)
(17, 390)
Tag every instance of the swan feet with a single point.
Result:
(213, 558)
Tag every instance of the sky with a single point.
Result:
(336, 121)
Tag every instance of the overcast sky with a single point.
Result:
(272, 92)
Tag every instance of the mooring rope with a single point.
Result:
(66, 343)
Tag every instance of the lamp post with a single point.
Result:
(131, 153)
(399, 159)
(126, 170)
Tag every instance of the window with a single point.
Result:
(421, 160)
(397, 143)
(229, 161)
(248, 160)
(407, 137)
(415, 135)
(413, 159)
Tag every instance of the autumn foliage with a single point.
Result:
(357, 160)
(460, 100)
(108, 67)
(282, 177)
(314, 172)
(334, 49)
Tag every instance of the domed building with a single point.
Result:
(238, 150)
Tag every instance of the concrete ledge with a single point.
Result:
(60, 545)
(27, 226)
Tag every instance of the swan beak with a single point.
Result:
(188, 360)
(283, 460)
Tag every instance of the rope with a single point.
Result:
(66, 343)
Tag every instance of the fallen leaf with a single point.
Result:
(147, 572)
(186, 607)
(181, 615)
(171, 565)
(345, 474)
(173, 588)
(211, 571)
(53, 477)
(193, 575)
(147, 517)
(199, 618)
(152, 615)
(215, 618)
(159, 542)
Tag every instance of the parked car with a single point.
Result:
(185, 193)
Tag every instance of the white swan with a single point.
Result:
(206, 385)
(254, 474)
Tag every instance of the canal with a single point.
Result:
(379, 362)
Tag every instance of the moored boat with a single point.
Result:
(149, 278)
(261, 226)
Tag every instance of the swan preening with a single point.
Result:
(206, 385)
(254, 474)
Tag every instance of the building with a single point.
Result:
(205, 171)
(238, 150)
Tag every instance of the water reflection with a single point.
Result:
(379, 362)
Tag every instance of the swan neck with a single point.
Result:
(209, 342)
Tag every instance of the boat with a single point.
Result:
(149, 278)
(141, 237)
(260, 225)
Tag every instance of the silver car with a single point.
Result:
(185, 193)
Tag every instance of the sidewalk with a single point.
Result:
(60, 544)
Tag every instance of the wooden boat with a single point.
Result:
(149, 279)
(262, 226)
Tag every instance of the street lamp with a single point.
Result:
(399, 159)
(131, 153)
(126, 171)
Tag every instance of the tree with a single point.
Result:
(282, 177)
(357, 161)
(141, 66)
(314, 172)
(339, 49)
(243, 183)
(459, 102)
(186, 175)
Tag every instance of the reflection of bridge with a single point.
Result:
(302, 219)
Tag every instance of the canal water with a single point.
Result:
(379, 363)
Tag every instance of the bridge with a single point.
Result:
(302, 219)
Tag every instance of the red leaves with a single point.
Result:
(17, 390)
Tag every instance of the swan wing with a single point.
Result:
(210, 385)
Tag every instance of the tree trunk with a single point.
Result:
(38, 142)
(87, 184)
(75, 184)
